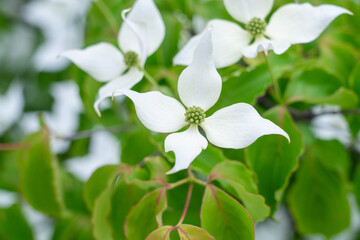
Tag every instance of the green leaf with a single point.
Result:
(168, 48)
(326, 151)
(273, 159)
(101, 226)
(312, 84)
(13, 224)
(357, 185)
(245, 88)
(343, 97)
(125, 195)
(207, 159)
(9, 171)
(318, 198)
(191, 232)
(73, 192)
(39, 182)
(147, 213)
(354, 79)
(224, 217)
(160, 233)
(185, 231)
(76, 227)
(97, 183)
(317, 86)
(237, 180)
(339, 59)
(176, 199)
(136, 146)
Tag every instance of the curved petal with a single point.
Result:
(102, 61)
(158, 112)
(245, 10)
(200, 84)
(186, 145)
(186, 54)
(301, 23)
(126, 81)
(228, 39)
(238, 126)
(131, 38)
(144, 12)
(264, 45)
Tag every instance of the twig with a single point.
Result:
(151, 80)
(14, 146)
(309, 115)
(89, 133)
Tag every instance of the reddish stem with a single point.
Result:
(13, 146)
(188, 198)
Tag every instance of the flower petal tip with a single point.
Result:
(171, 171)
(287, 137)
(124, 12)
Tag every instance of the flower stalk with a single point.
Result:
(151, 80)
(275, 81)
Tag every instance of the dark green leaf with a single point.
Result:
(244, 88)
(207, 159)
(74, 228)
(354, 80)
(318, 199)
(176, 199)
(73, 193)
(357, 185)
(136, 146)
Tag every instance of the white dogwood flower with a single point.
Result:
(291, 24)
(199, 86)
(140, 35)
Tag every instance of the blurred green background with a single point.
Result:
(312, 185)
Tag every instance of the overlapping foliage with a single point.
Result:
(225, 192)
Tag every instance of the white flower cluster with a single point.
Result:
(221, 44)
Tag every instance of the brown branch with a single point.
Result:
(14, 146)
(265, 102)
(309, 115)
(89, 133)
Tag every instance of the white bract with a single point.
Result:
(290, 24)
(140, 36)
(199, 86)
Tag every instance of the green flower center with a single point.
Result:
(131, 59)
(195, 115)
(256, 26)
